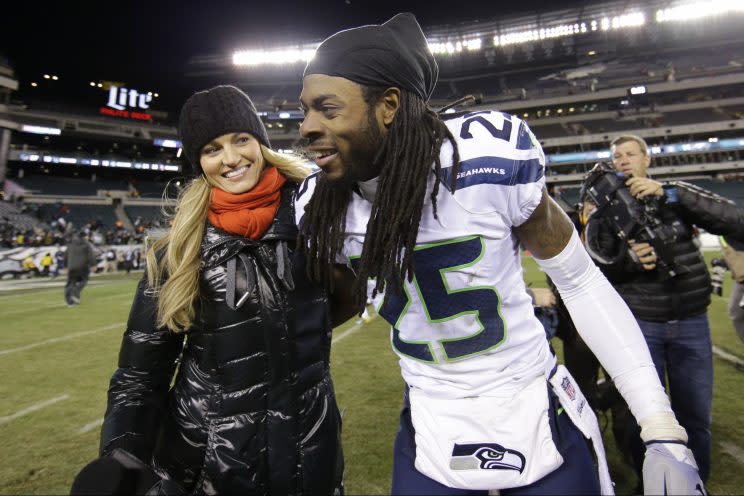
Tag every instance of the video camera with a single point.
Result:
(629, 218)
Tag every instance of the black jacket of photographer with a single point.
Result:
(651, 294)
(252, 408)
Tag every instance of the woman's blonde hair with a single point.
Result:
(173, 261)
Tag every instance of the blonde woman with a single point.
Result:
(251, 409)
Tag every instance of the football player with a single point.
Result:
(434, 211)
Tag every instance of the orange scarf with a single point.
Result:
(248, 214)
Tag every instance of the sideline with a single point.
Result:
(732, 449)
(21, 311)
(90, 426)
(61, 338)
(725, 355)
(33, 408)
(352, 330)
(44, 287)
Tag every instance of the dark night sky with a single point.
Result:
(148, 44)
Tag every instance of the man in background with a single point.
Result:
(79, 258)
(667, 285)
(46, 264)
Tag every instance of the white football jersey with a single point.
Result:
(465, 325)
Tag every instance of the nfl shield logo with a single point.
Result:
(568, 388)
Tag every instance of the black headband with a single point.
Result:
(391, 54)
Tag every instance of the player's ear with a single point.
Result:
(388, 105)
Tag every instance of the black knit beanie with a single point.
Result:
(211, 113)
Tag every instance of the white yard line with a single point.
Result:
(51, 287)
(35, 309)
(21, 311)
(732, 449)
(727, 356)
(25, 295)
(88, 299)
(61, 338)
(33, 408)
(90, 426)
(351, 330)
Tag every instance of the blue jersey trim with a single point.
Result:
(495, 170)
(524, 141)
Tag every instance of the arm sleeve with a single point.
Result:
(608, 328)
(714, 213)
(138, 389)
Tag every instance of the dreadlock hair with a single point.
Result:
(409, 148)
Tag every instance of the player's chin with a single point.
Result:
(338, 177)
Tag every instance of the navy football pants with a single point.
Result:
(577, 474)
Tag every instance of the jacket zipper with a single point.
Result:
(318, 423)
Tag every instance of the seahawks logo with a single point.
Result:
(486, 456)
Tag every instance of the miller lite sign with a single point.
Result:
(120, 100)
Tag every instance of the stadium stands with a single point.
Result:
(17, 218)
(80, 214)
(148, 215)
(148, 189)
(573, 91)
(68, 186)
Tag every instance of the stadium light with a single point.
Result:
(638, 90)
(698, 10)
(519, 37)
(632, 20)
(167, 143)
(274, 57)
(40, 129)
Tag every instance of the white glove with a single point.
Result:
(670, 468)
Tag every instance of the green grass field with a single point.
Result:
(55, 363)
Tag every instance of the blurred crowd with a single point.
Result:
(55, 228)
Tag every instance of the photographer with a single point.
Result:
(641, 236)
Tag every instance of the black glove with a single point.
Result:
(119, 474)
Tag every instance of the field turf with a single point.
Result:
(55, 363)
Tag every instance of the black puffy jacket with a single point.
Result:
(252, 408)
(651, 294)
